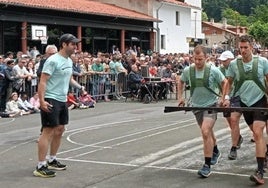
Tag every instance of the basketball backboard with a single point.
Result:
(39, 31)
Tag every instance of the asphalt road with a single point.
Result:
(124, 145)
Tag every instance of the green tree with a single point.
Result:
(204, 16)
(234, 18)
(259, 31)
(259, 14)
(215, 8)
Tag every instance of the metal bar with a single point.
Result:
(218, 109)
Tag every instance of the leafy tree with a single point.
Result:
(215, 8)
(259, 31)
(234, 18)
(260, 13)
(204, 16)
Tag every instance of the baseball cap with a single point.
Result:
(68, 38)
(226, 55)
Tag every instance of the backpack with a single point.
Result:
(252, 75)
(200, 82)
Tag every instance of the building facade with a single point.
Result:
(100, 26)
(222, 35)
(166, 26)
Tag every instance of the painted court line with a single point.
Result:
(154, 156)
(94, 144)
(191, 149)
(149, 166)
(134, 140)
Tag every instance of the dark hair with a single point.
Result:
(246, 38)
(10, 61)
(9, 53)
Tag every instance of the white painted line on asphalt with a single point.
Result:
(97, 162)
(94, 144)
(109, 140)
(79, 130)
(99, 126)
(135, 139)
(14, 147)
(154, 156)
(148, 166)
(192, 149)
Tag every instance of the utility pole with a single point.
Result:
(195, 19)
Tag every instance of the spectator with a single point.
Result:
(34, 52)
(25, 105)
(34, 101)
(31, 81)
(86, 100)
(20, 73)
(10, 76)
(72, 101)
(50, 50)
(12, 106)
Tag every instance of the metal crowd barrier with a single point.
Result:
(100, 85)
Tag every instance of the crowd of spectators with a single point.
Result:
(104, 75)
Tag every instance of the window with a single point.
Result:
(163, 42)
(177, 18)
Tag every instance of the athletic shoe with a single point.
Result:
(240, 141)
(233, 154)
(44, 172)
(56, 165)
(204, 171)
(257, 178)
(215, 158)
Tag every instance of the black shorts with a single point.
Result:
(250, 117)
(234, 102)
(58, 115)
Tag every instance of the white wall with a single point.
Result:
(197, 3)
(176, 35)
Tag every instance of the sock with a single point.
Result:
(207, 161)
(215, 149)
(52, 158)
(41, 163)
(260, 161)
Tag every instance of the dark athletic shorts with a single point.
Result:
(250, 117)
(234, 102)
(58, 115)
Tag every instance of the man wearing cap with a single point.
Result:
(54, 83)
(232, 118)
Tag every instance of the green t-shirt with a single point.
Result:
(201, 96)
(60, 70)
(249, 92)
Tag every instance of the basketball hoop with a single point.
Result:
(44, 40)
